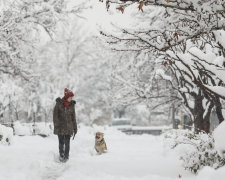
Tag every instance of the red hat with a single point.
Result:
(68, 93)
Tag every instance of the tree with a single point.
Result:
(174, 28)
(23, 23)
(75, 60)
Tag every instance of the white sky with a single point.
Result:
(99, 18)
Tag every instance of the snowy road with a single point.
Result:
(129, 157)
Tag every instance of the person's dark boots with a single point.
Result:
(66, 158)
(64, 147)
(61, 147)
(61, 157)
(67, 147)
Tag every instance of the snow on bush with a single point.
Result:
(195, 150)
(28, 129)
(219, 136)
(43, 129)
(6, 135)
(22, 130)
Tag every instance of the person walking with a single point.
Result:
(65, 125)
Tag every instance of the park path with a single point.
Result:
(128, 157)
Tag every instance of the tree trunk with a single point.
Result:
(34, 125)
(198, 113)
(17, 114)
(206, 119)
(218, 109)
(173, 117)
(201, 115)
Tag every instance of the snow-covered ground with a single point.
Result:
(139, 157)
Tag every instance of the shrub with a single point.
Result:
(6, 135)
(198, 149)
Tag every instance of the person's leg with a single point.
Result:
(67, 146)
(61, 145)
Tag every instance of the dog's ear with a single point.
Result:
(97, 133)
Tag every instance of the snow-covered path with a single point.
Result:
(129, 157)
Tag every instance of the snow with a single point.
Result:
(219, 136)
(29, 54)
(42, 128)
(208, 173)
(135, 157)
(128, 157)
(27, 129)
(22, 130)
(217, 89)
(161, 73)
(6, 135)
(150, 127)
(220, 36)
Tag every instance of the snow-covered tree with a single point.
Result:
(23, 25)
(196, 150)
(173, 32)
(20, 26)
(74, 59)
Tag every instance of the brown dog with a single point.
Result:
(100, 145)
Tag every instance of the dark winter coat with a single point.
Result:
(64, 118)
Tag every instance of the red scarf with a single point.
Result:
(65, 102)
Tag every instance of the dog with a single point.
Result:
(100, 145)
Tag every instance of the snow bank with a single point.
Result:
(22, 130)
(91, 130)
(195, 150)
(6, 135)
(28, 129)
(219, 136)
(208, 173)
(136, 157)
(43, 129)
